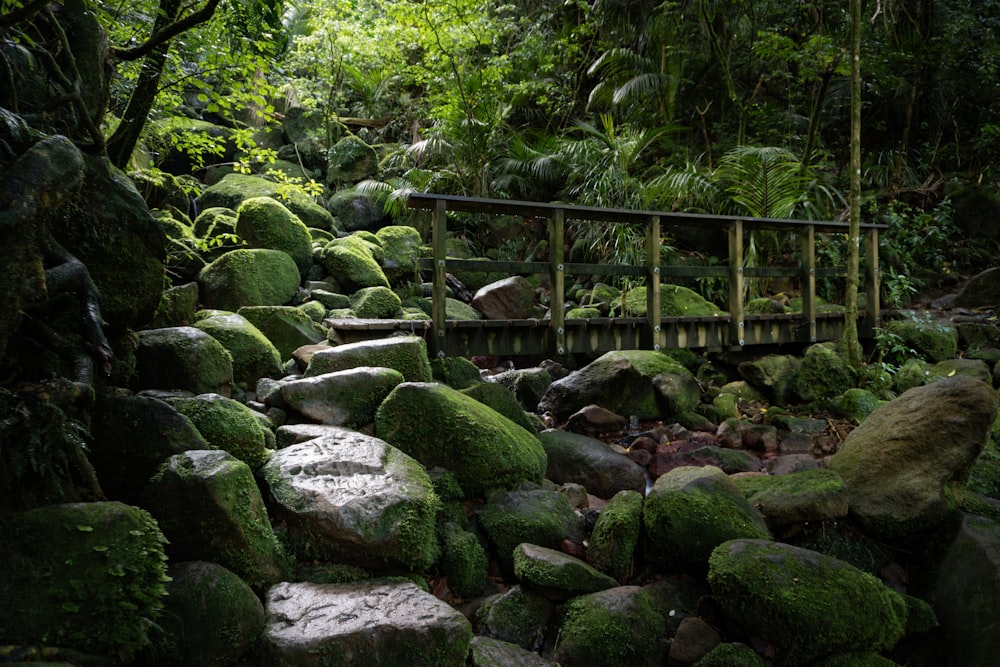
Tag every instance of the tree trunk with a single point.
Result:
(854, 234)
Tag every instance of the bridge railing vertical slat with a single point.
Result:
(653, 281)
(808, 251)
(439, 250)
(873, 314)
(557, 274)
(736, 324)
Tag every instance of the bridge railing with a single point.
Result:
(805, 327)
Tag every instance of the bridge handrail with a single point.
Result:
(557, 213)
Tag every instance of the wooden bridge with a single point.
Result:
(558, 335)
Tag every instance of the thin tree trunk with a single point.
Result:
(854, 233)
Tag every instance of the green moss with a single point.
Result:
(456, 372)
(824, 373)
(234, 188)
(375, 303)
(499, 398)
(352, 262)
(87, 576)
(555, 573)
(249, 277)
(264, 222)
(226, 424)
(402, 246)
(764, 306)
(675, 301)
(463, 561)
(856, 404)
(315, 310)
(253, 354)
(616, 535)
(518, 616)
(985, 479)
(932, 340)
(406, 354)
(534, 516)
(582, 313)
(594, 626)
(731, 655)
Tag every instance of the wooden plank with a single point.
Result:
(557, 277)
(439, 290)
(653, 281)
(808, 251)
(736, 324)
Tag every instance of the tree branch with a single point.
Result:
(168, 32)
(22, 14)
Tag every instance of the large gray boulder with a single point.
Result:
(536, 516)
(343, 398)
(249, 277)
(488, 652)
(623, 382)
(350, 497)
(906, 465)
(518, 616)
(981, 291)
(784, 594)
(507, 299)
(584, 460)
(555, 574)
(377, 622)
(406, 354)
(182, 358)
(209, 508)
(692, 510)
(439, 426)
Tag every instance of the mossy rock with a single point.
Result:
(730, 655)
(182, 358)
(234, 188)
(456, 372)
(463, 561)
(913, 373)
(790, 596)
(177, 307)
(457, 310)
(254, 356)
(824, 373)
(356, 211)
(89, 577)
(594, 626)
(376, 303)
(675, 301)
(211, 618)
(774, 374)
(287, 327)
(264, 222)
(586, 313)
(403, 248)
(499, 398)
(555, 574)
(406, 354)
(440, 426)
(518, 616)
(330, 300)
(226, 424)
(352, 261)
(350, 160)
(856, 404)
(764, 306)
(215, 221)
(934, 341)
(249, 277)
(537, 516)
(209, 507)
(797, 497)
(616, 535)
(975, 368)
(692, 510)
(315, 310)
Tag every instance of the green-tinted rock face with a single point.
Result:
(616, 535)
(177, 307)
(556, 574)
(774, 373)
(214, 221)
(675, 301)
(209, 508)
(182, 358)
(288, 328)
(499, 398)
(824, 373)
(406, 354)
(456, 372)
(856, 404)
(537, 516)
(933, 341)
(249, 277)
(350, 160)
(211, 616)
(375, 303)
(402, 247)
(463, 561)
(264, 222)
(234, 188)
(341, 398)
(594, 625)
(518, 616)
(913, 373)
(797, 497)
(975, 368)
(85, 576)
(226, 424)
(439, 426)
(457, 310)
(254, 356)
(692, 510)
(794, 598)
(352, 262)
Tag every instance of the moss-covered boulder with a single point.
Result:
(350, 160)
(442, 427)
(264, 222)
(209, 508)
(774, 374)
(536, 516)
(690, 511)
(288, 328)
(253, 355)
(555, 574)
(177, 307)
(463, 561)
(527, 384)
(403, 248)
(249, 277)
(580, 459)
(982, 290)
(456, 372)
(619, 626)
(214, 221)
(618, 381)
(791, 597)
(974, 368)
(498, 398)
(227, 425)
(616, 535)
(89, 577)
(234, 188)
(352, 498)
(489, 652)
(518, 616)
(675, 301)
(406, 354)
(933, 340)
(913, 373)
(458, 310)
(797, 497)
(356, 211)
(377, 622)
(824, 373)
(211, 618)
(352, 261)
(182, 358)
(856, 404)
(906, 465)
(342, 398)
(376, 303)
(730, 655)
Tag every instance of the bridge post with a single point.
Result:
(737, 337)
(653, 281)
(873, 314)
(808, 251)
(557, 275)
(439, 290)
